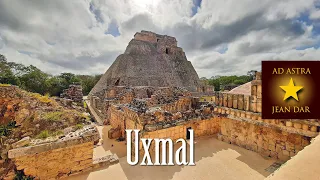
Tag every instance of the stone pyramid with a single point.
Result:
(150, 59)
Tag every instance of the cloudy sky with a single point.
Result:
(220, 37)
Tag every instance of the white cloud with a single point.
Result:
(224, 37)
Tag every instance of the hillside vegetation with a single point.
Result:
(26, 114)
(32, 79)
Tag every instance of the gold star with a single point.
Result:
(291, 90)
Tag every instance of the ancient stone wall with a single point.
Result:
(264, 140)
(167, 45)
(58, 162)
(117, 119)
(70, 155)
(146, 36)
(205, 127)
(123, 118)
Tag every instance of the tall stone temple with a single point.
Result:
(151, 59)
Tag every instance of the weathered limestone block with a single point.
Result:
(235, 101)
(253, 103)
(114, 133)
(225, 100)
(259, 118)
(240, 101)
(232, 112)
(178, 115)
(228, 111)
(314, 128)
(230, 100)
(253, 90)
(305, 127)
(223, 111)
(297, 125)
(248, 115)
(254, 117)
(220, 99)
(24, 141)
(259, 105)
(289, 124)
(259, 90)
(217, 98)
(246, 105)
(238, 113)
(243, 114)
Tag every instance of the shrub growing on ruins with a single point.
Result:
(53, 116)
(56, 133)
(43, 134)
(79, 126)
(5, 85)
(5, 130)
(85, 105)
(21, 176)
(43, 99)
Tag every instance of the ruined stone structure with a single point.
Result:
(74, 92)
(234, 118)
(56, 158)
(151, 60)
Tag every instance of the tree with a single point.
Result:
(67, 79)
(34, 80)
(55, 86)
(252, 74)
(88, 82)
(6, 74)
(222, 81)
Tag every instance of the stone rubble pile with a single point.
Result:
(74, 92)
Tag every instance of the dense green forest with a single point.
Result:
(33, 79)
(220, 82)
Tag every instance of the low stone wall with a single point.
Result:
(58, 162)
(60, 158)
(204, 127)
(267, 141)
(305, 165)
(307, 128)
